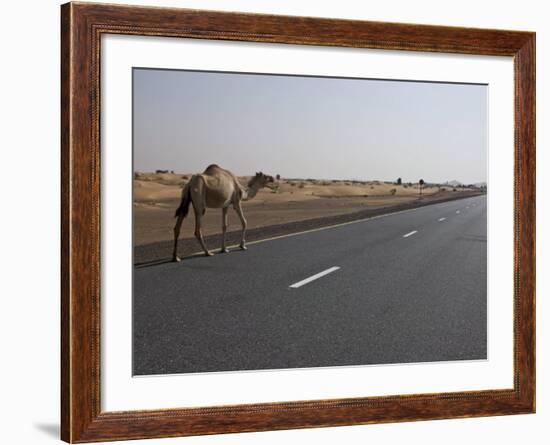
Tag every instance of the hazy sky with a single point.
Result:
(307, 127)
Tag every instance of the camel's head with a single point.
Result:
(261, 180)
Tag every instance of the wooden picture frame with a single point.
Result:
(82, 25)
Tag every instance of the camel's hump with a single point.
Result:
(212, 167)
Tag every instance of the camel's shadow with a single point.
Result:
(184, 260)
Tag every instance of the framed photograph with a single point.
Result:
(274, 222)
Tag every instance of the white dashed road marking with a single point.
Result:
(458, 211)
(314, 277)
(442, 219)
(410, 233)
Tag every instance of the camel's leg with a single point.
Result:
(177, 229)
(224, 229)
(198, 231)
(239, 211)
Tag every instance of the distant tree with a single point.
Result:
(278, 177)
(398, 182)
(420, 185)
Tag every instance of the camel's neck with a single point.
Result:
(251, 192)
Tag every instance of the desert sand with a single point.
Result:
(157, 195)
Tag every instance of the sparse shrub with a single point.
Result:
(292, 184)
(454, 189)
(405, 186)
(393, 191)
(302, 185)
(372, 187)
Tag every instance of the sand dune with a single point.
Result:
(153, 187)
(153, 192)
(156, 196)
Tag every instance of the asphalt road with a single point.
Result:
(401, 288)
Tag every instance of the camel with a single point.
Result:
(216, 188)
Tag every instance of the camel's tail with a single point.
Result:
(183, 209)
